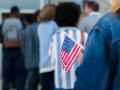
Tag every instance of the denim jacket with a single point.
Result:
(100, 69)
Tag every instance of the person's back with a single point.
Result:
(30, 49)
(30, 46)
(65, 80)
(89, 22)
(60, 80)
(12, 28)
(45, 31)
(103, 67)
(93, 16)
(13, 60)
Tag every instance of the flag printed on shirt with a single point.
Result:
(69, 53)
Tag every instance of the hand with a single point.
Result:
(81, 57)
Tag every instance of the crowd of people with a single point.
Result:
(32, 50)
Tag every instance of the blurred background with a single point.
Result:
(28, 7)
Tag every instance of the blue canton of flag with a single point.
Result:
(68, 44)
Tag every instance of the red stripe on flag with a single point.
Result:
(72, 58)
(63, 66)
(63, 63)
(62, 53)
(65, 58)
(70, 66)
(71, 54)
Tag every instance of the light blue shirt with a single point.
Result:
(45, 32)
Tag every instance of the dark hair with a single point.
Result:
(29, 19)
(93, 5)
(14, 10)
(36, 14)
(67, 14)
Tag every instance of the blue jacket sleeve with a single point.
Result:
(93, 73)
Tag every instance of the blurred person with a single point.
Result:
(67, 22)
(45, 31)
(13, 60)
(12, 78)
(91, 10)
(100, 69)
(30, 48)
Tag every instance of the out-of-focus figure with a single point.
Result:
(91, 10)
(30, 48)
(13, 59)
(100, 69)
(67, 22)
(45, 31)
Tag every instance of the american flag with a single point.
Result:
(69, 53)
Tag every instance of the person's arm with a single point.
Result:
(81, 57)
(92, 73)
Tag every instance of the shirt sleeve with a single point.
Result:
(82, 25)
(92, 72)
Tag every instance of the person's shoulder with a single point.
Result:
(33, 27)
(61, 29)
(34, 24)
(7, 20)
(106, 19)
(47, 25)
(86, 18)
(41, 25)
(107, 23)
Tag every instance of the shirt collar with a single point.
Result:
(95, 13)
